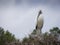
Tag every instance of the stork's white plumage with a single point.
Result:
(39, 24)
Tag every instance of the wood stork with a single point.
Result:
(40, 22)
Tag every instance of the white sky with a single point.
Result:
(21, 19)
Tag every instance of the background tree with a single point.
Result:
(2, 41)
(6, 36)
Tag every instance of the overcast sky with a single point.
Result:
(19, 16)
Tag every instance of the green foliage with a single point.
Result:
(46, 34)
(25, 40)
(1, 36)
(34, 32)
(54, 30)
(5, 36)
(48, 38)
(9, 37)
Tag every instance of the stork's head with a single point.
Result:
(40, 12)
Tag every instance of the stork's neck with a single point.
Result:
(39, 14)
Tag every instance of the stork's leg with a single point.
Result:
(38, 32)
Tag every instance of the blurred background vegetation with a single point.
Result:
(49, 38)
